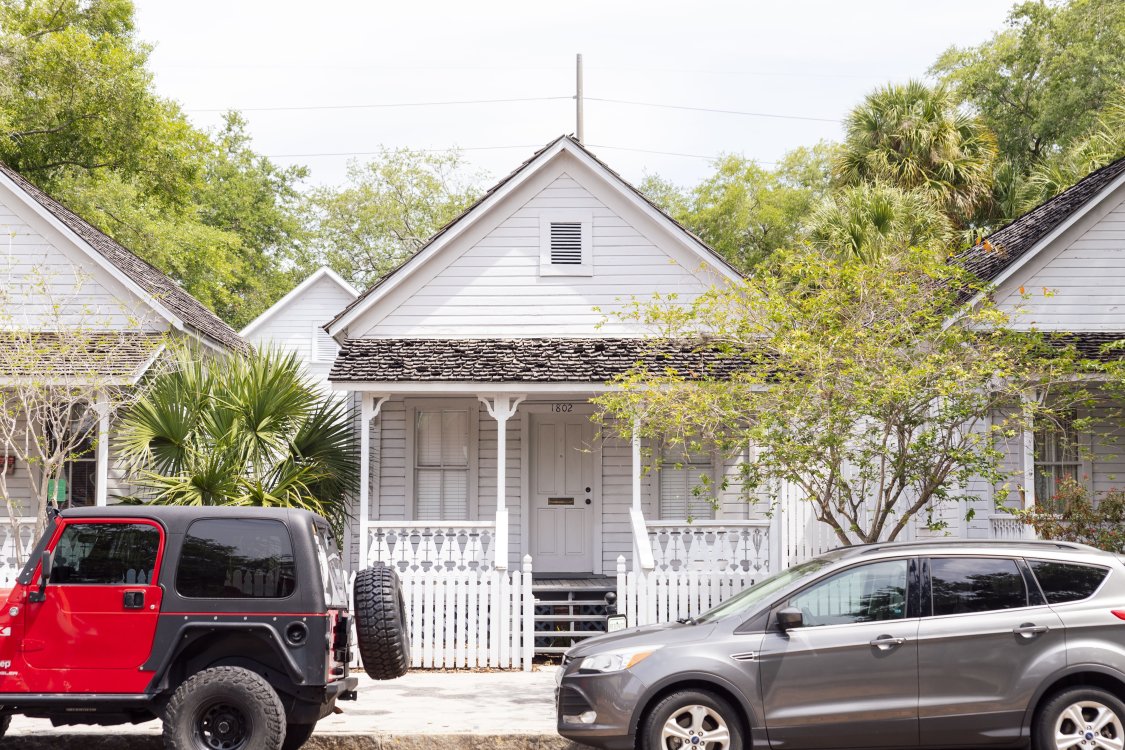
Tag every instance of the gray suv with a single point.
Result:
(929, 644)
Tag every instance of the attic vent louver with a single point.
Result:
(566, 243)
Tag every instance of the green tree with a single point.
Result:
(389, 207)
(237, 430)
(1041, 83)
(915, 137)
(849, 383)
(869, 220)
(745, 211)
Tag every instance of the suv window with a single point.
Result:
(1066, 582)
(111, 554)
(237, 559)
(865, 593)
(962, 585)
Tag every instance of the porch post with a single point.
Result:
(1028, 399)
(101, 484)
(501, 408)
(369, 406)
(637, 464)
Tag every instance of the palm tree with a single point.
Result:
(241, 430)
(915, 137)
(869, 220)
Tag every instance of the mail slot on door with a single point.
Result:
(560, 501)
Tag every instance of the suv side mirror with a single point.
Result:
(790, 618)
(45, 565)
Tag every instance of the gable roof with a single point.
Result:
(493, 194)
(1007, 248)
(324, 272)
(165, 292)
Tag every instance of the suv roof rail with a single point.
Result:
(1028, 543)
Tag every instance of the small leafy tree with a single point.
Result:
(64, 365)
(851, 381)
(1072, 516)
(241, 430)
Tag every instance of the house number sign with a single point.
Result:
(562, 408)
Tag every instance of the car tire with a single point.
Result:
(688, 713)
(380, 623)
(1060, 713)
(296, 735)
(224, 707)
(5, 722)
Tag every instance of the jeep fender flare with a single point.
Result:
(190, 633)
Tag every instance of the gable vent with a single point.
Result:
(566, 243)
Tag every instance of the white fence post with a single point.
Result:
(527, 600)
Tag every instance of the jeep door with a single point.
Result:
(849, 676)
(95, 627)
(986, 642)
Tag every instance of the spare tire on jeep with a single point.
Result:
(380, 623)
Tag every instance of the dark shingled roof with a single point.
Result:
(96, 357)
(1009, 244)
(1091, 344)
(718, 258)
(546, 360)
(153, 281)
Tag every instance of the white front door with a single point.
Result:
(562, 493)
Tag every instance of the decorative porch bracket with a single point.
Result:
(369, 406)
(501, 407)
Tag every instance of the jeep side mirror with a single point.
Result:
(45, 565)
(790, 618)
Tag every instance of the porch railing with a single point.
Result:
(439, 547)
(1006, 526)
(711, 546)
(15, 545)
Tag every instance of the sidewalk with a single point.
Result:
(463, 710)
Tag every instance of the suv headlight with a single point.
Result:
(617, 660)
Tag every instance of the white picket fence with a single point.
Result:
(653, 596)
(470, 618)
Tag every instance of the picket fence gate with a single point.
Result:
(655, 596)
(470, 618)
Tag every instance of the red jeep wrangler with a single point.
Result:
(230, 624)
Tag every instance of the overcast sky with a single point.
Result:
(805, 59)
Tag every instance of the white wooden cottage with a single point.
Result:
(295, 322)
(60, 275)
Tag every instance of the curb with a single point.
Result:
(109, 741)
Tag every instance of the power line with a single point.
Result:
(708, 109)
(424, 150)
(383, 106)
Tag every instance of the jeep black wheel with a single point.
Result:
(224, 708)
(5, 722)
(380, 623)
(296, 735)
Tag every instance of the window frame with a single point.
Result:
(714, 470)
(1083, 468)
(413, 406)
(56, 537)
(585, 217)
(917, 585)
(1031, 586)
(204, 519)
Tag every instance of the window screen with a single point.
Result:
(236, 559)
(1067, 582)
(975, 584)
(110, 554)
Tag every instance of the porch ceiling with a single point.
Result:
(576, 363)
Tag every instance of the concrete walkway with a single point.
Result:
(463, 710)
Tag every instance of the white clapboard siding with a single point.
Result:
(1077, 283)
(470, 619)
(650, 597)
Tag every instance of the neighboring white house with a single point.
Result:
(296, 321)
(60, 274)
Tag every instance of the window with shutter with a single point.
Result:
(687, 481)
(565, 243)
(441, 465)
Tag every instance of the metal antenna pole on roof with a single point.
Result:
(578, 99)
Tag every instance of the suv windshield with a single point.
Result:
(743, 602)
(331, 568)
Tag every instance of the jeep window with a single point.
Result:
(1067, 582)
(962, 585)
(331, 570)
(236, 559)
(109, 554)
(865, 593)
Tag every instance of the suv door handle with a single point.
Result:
(1030, 630)
(134, 600)
(886, 642)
